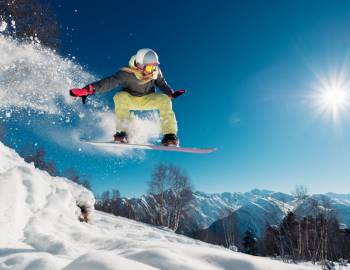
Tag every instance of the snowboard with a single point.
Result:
(151, 147)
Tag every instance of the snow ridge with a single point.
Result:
(29, 196)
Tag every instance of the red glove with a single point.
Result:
(82, 92)
(177, 93)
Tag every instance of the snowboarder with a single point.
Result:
(138, 82)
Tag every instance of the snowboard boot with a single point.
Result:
(170, 140)
(120, 137)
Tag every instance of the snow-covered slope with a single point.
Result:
(31, 199)
(39, 230)
(207, 208)
(259, 209)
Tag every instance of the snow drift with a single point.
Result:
(39, 229)
(31, 199)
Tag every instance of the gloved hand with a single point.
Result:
(82, 92)
(178, 93)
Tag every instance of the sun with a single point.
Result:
(332, 96)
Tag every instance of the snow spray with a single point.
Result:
(34, 92)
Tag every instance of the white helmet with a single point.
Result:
(146, 57)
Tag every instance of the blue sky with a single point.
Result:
(248, 66)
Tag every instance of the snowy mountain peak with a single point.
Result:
(345, 197)
(260, 192)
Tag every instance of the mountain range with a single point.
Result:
(252, 210)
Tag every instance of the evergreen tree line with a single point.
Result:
(316, 237)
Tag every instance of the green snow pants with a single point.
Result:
(124, 103)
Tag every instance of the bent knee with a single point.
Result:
(164, 99)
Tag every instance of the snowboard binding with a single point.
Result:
(170, 140)
(120, 137)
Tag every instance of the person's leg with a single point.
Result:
(161, 102)
(122, 102)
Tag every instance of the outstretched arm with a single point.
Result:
(100, 86)
(108, 83)
(166, 89)
(163, 85)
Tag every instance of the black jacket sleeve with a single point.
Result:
(163, 85)
(108, 83)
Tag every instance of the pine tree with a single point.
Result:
(250, 243)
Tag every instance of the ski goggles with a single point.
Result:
(149, 68)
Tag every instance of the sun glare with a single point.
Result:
(332, 96)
